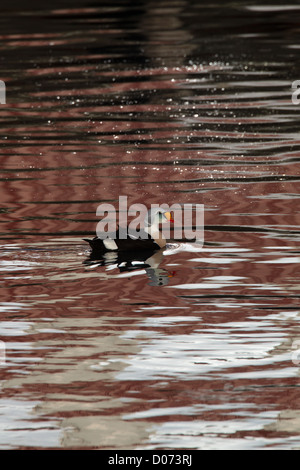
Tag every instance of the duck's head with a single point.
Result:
(157, 216)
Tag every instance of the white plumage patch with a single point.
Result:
(110, 244)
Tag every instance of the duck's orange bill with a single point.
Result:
(169, 217)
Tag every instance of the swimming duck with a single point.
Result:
(150, 238)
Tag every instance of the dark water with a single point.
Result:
(169, 102)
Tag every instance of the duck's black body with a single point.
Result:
(147, 239)
(125, 261)
(144, 243)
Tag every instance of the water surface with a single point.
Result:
(176, 102)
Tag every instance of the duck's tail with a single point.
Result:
(88, 240)
(95, 243)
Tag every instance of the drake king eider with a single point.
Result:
(150, 238)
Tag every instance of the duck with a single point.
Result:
(150, 237)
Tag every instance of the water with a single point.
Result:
(176, 102)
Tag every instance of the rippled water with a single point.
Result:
(169, 102)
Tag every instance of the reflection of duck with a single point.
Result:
(148, 239)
